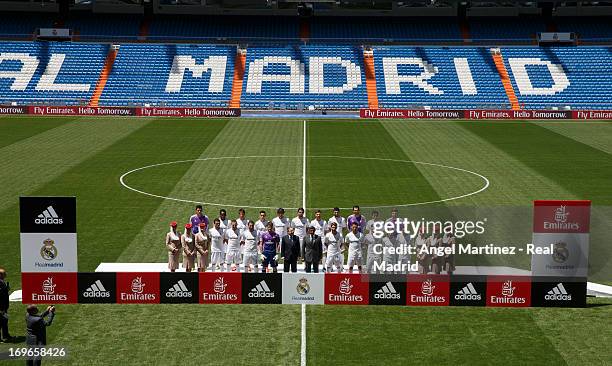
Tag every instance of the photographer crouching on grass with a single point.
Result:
(36, 329)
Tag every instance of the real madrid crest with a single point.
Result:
(48, 251)
(560, 252)
(303, 287)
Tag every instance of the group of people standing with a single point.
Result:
(226, 244)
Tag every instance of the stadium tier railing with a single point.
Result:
(294, 40)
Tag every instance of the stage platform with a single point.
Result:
(163, 267)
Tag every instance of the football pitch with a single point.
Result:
(168, 165)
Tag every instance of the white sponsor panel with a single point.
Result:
(303, 288)
(49, 252)
(569, 256)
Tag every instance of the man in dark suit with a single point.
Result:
(312, 250)
(4, 306)
(290, 250)
(36, 328)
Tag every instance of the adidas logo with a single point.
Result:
(179, 290)
(387, 292)
(558, 293)
(96, 290)
(468, 293)
(261, 290)
(49, 217)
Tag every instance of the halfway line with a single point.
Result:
(303, 339)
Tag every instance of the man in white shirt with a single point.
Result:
(249, 240)
(261, 224)
(242, 224)
(299, 224)
(224, 224)
(370, 224)
(340, 225)
(216, 234)
(281, 223)
(374, 253)
(242, 221)
(339, 220)
(354, 240)
(333, 242)
(232, 238)
(319, 224)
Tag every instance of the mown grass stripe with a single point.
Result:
(249, 181)
(14, 129)
(33, 162)
(598, 136)
(109, 216)
(345, 182)
(574, 166)
(421, 335)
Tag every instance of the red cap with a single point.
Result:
(173, 224)
(187, 226)
(202, 224)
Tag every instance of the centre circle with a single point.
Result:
(292, 179)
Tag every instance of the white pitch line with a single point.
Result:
(303, 348)
(303, 335)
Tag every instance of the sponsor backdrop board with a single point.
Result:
(220, 288)
(468, 290)
(428, 290)
(97, 288)
(561, 232)
(262, 288)
(346, 289)
(48, 252)
(47, 214)
(303, 288)
(49, 288)
(48, 234)
(178, 288)
(138, 288)
(387, 289)
(509, 291)
(558, 292)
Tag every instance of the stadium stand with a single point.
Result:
(301, 76)
(49, 72)
(438, 85)
(226, 27)
(505, 29)
(579, 77)
(170, 75)
(589, 28)
(108, 26)
(384, 28)
(20, 25)
(302, 88)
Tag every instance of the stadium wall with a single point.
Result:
(470, 114)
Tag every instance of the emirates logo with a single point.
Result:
(427, 288)
(137, 285)
(219, 285)
(508, 289)
(345, 286)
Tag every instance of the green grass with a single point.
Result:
(523, 161)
